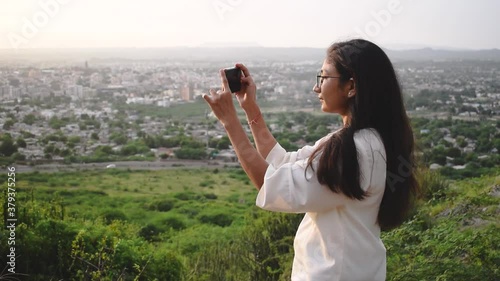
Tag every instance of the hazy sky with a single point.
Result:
(268, 23)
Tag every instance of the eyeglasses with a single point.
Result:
(319, 78)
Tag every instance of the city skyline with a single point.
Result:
(397, 24)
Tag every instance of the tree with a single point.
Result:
(55, 123)
(8, 124)
(7, 148)
(322, 130)
(18, 156)
(118, 138)
(73, 140)
(287, 145)
(27, 134)
(12, 116)
(133, 148)
(65, 153)
(437, 155)
(29, 119)
(461, 142)
(223, 143)
(191, 153)
(104, 149)
(49, 149)
(21, 142)
(453, 152)
(150, 141)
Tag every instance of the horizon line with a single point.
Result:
(434, 48)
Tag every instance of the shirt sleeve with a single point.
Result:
(292, 188)
(289, 186)
(278, 155)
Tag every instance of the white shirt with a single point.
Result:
(338, 238)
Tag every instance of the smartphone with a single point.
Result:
(233, 76)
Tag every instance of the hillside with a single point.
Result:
(202, 224)
(453, 234)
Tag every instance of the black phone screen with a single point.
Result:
(233, 76)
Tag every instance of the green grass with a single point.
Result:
(196, 110)
(194, 213)
(452, 236)
(143, 196)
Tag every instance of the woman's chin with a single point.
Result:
(325, 109)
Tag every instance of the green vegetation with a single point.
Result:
(104, 224)
(187, 111)
(451, 143)
(452, 235)
(202, 224)
(459, 149)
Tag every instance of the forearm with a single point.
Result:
(264, 140)
(251, 161)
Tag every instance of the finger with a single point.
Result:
(247, 80)
(210, 98)
(225, 84)
(207, 99)
(239, 95)
(244, 69)
(213, 93)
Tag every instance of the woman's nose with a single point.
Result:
(316, 89)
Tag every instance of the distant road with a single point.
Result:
(133, 165)
(445, 115)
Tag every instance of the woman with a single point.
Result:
(352, 183)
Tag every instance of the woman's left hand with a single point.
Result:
(221, 102)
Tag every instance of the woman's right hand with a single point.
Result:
(247, 95)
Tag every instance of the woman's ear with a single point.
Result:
(352, 88)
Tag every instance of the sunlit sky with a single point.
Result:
(267, 23)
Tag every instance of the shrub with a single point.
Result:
(207, 183)
(191, 212)
(219, 219)
(210, 196)
(432, 184)
(175, 223)
(74, 183)
(112, 215)
(184, 196)
(164, 205)
(164, 266)
(150, 232)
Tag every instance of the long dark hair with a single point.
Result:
(378, 104)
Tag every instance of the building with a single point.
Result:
(112, 89)
(75, 91)
(186, 92)
(6, 91)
